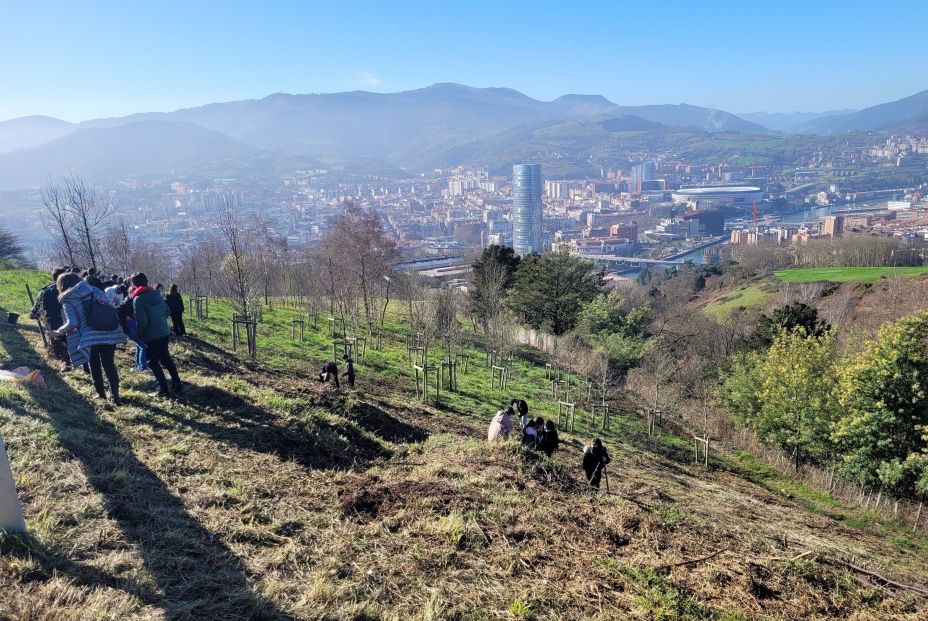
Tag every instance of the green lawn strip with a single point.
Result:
(866, 275)
(13, 290)
(750, 296)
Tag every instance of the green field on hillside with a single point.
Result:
(750, 296)
(13, 296)
(867, 275)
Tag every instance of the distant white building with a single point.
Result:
(557, 189)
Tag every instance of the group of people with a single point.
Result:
(329, 372)
(541, 435)
(88, 315)
(537, 433)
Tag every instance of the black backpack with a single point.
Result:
(100, 316)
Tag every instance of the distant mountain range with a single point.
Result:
(909, 114)
(442, 124)
(788, 122)
(32, 131)
(140, 148)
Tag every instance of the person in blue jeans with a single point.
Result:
(151, 321)
(127, 317)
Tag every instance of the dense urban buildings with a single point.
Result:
(526, 209)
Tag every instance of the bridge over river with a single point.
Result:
(631, 261)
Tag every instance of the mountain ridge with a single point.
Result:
(906, 114)
(32, 131)
(413, 130)
(140, 148)
(788, 121)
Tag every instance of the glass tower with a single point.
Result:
(526, 208)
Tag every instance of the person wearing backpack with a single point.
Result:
(151, 324)
(92, 330)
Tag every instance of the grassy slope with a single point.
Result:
(260, 494)
(868, 275)
(750, 296)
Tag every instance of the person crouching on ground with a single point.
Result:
(85, 343)
(151, 324)
(530, 435)
(501, 425)
(595, 459)
(548, 442)
(330, 373)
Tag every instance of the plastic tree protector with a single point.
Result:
(11, 512)
(22, 375)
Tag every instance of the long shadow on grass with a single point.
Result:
(231, 419)
(196, 575)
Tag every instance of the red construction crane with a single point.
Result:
(754, 216)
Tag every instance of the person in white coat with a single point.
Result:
(501, 425)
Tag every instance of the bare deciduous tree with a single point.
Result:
(492, 280)
(56, 220)
(118, 245)
(447, 307)
(358, 252)
(90, 213)
(238, 269)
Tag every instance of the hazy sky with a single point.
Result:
(83, 59)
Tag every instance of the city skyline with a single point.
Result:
(148, 58)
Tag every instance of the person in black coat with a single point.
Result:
(595, 459)
(176, 307)
(48, 307)
(349, 371)
(94, 281)
(548, 441)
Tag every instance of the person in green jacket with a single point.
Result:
(151, 317)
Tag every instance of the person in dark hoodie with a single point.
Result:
(151, 324)
(595, 460)
(349, 371)
(48, 308)
(176, 306)
(548, 441)
(87, 343)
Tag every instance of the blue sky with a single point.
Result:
(85, 59)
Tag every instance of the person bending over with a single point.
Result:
(330, 373)
(595, 459)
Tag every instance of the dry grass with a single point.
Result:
(260, 495)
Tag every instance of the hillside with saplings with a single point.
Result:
(260, 493)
